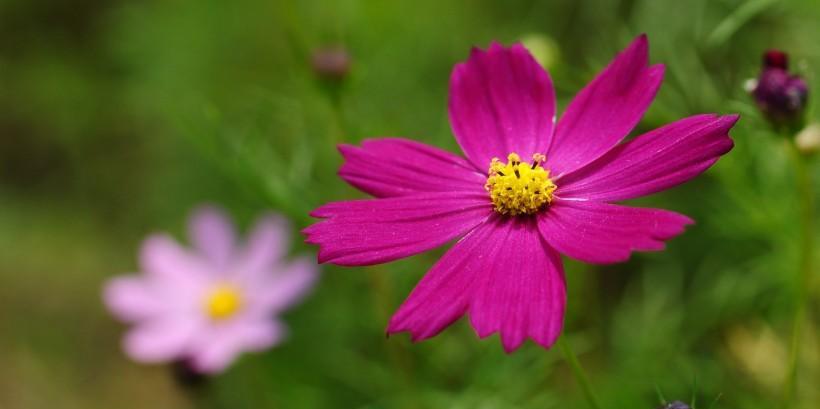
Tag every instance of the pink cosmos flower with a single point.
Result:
(208, 304)
(527, 191)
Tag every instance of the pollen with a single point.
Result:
(223, 302)
(519, 188)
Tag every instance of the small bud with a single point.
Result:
(674, 405)
(781, 96)
(331, 63)
(542, 48)
(808, 140)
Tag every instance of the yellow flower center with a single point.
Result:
(223, 302)
(519, 188)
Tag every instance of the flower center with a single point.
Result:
(519, 188)
(223, 302)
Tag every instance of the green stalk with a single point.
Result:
(578, 372)
(805, 269)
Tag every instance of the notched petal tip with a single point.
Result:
(343, 147)
(657, 71)
(725, 124)
(639, 44)
(393, 328)
(686, 220)
(416, 335)
(321, 256)
(309, 230)
(495, 50)
(731, 119)
(346, 150)
(510, 347)
(634, 57)
(511, 344)
(325, 211)
(474, 52)
(496, 46)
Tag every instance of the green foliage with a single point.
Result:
(118, 117)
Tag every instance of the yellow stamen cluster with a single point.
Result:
(518, 188)
(223, 302)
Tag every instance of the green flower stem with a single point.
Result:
(578, 372)
(805, 269)
(382, 296)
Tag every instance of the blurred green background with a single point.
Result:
(117, 117)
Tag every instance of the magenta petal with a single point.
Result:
(444, 293)
(503, 273)
(522, 292)
(606, 110)
(597, 232)
(364, 232)
(398, 167)
(652, 162)
(212, 234)
(501, 101)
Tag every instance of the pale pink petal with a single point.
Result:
(165, 260)
(266, 245)
(221, 345)
(501, 101)
(161, 340)
(178, 276)
(363, 232)
(606, 233)
(132, 298)
(212, 233)
(284, 288)
(398, 167)
(652, 162)
(606, 110)
(444, 293)
(522, 293)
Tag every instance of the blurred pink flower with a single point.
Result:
(513, 220)
(208, 304)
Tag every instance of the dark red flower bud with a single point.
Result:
(775, 59)
(332, 63)
(780, 95)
